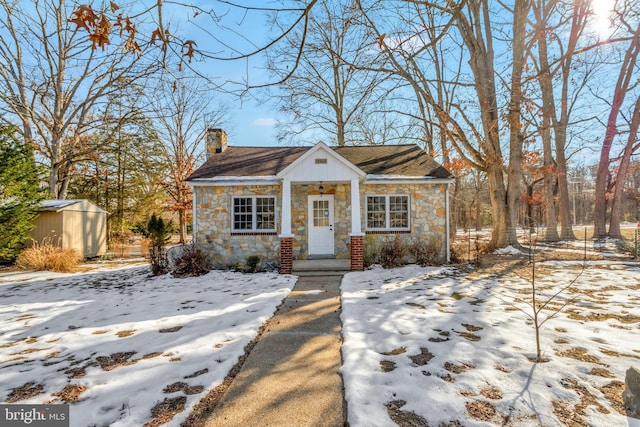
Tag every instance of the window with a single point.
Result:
(254, 214)
(388, 212)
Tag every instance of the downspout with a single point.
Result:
(447, 238)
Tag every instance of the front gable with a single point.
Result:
(320, 164)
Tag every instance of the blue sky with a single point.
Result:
(237, 32)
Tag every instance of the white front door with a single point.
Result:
(321, 225)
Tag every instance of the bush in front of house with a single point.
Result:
(189, 262)
(45, 256)
(426, 251)
(159, 233)
(252, 263)
(392, 253)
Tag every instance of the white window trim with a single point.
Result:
(387, 212)
(254, 215)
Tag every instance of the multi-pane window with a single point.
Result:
(254, 214)
(388, 212)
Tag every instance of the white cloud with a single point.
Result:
(264, 121)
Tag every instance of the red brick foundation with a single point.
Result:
(357, 253)
(286, 255)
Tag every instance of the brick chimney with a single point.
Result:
(216, 141)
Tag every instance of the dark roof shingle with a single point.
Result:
(402, 160)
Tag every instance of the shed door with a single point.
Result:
(321, 235)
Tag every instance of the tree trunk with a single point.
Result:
(514, 189)
(616, 203)
(622, 85)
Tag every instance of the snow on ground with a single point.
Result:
(118, 342)
(446, 347)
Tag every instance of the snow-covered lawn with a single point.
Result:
(118, 343)
(441, 345)
(453, 348)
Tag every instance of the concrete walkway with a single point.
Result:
(290, 377)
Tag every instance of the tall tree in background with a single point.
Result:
(52, 81)
(182, 114)
(19, 193)
(124, 171)
(627, 79)
(325, 94)
(558, 30)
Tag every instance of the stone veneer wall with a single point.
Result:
(427, 216)
(427, 211)
(213, 233)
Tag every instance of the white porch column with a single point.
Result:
(447, 238)
(285, 223)
(356, 227)
(194, 215)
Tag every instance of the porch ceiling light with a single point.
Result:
(321, 189)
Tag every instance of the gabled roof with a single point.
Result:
(396, 160)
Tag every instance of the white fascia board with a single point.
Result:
(403, 179)
(321, 145)
(221, 181)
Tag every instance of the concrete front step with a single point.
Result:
(321, 267)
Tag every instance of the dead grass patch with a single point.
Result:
(183, 387)
(601, 372)
(561, 341)
(468, 336)
(395, 351)
(167, 330)
(127, 333)
(586, 398)
(457, 369)
(614, 353)
(600, 317)
(492, 393)
(387, 365)
(164, 411)
(613, 393)
(100, 332)
(109, 363)
(423, 358)
(152, 355)
(25, 391)
(481, 410)
(52, 355)
(472, 328)
(580, 354)
(30, 350)
(197, 373)
(565, 413)
(74, 373)
(502, 369)
(13, 359)
(404, 418)
(70, 393)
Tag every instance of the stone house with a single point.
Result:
(286, 203)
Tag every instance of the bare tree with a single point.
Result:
(325, 93)
(183, 112)
(472, 121)
(51, 82)
(623, 85)
(630, 147)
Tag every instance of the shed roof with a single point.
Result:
(70, 204)
(398, 160)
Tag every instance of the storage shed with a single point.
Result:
(72, 224)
